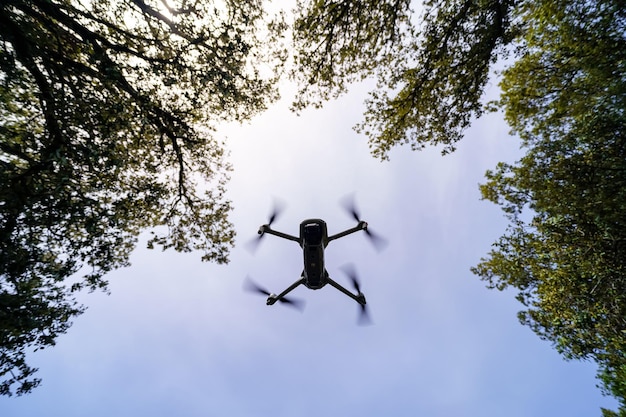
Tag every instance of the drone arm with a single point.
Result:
(359, 298)
(266, 229)
(361, 226)
(273, 298)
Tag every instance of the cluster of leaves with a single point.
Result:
(339, 42)
(106, 111)
(430, 80)
(434, 91)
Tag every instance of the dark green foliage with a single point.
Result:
(106, 111)
(614, 383)
(565, 250)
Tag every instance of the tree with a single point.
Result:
(106, 117)
(338, 42)
(563, 93)
(565, 250)
(430, 81)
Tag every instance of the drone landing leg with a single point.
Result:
(359, 298)
(273, 298)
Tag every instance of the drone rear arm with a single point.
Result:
(361, 226)
(359, 298)
(273, 298)
(266, 229)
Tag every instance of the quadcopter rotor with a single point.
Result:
(378, 241)
(364, 317)
(251, 286)
(277, 210)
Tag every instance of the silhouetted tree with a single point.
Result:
(106, 117)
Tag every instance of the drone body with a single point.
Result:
(313, 240)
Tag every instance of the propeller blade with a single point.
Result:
(253, 244)
(251, 286)
(377, 240)
(350, 272)
(355, 284)
(350, 206)
(293, 302)
(277, 209)
(364, 316)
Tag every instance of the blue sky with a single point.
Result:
(180, 337)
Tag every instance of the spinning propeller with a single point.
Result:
(350, 271)
(378, 241)
(252, 286)
(277, 210)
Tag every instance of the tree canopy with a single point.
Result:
(106, 117)
(431, 78)
(563, 93)
(565, 250)
(107, 110)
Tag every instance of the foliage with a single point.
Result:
(563, 94)
(430, 80)
(565, 250)
(106, 111)
(614, 383)
(338, 42)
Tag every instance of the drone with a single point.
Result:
(313, 240)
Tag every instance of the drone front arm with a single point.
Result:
(361, 226)
(266, 229)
